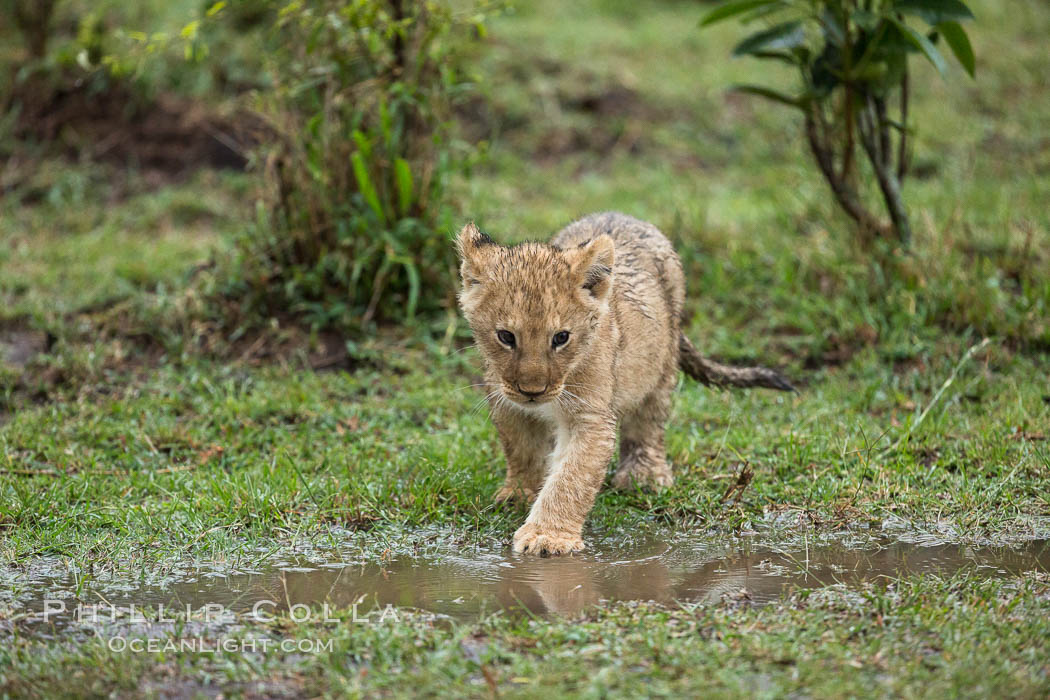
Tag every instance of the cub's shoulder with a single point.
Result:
(582, 230)
(632, 236)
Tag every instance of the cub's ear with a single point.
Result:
(593, 262)
(475, 249)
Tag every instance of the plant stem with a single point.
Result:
(902, 146)
(870, 129)
(882, 125)
(35, 24)
(844, 194)
(847, 153)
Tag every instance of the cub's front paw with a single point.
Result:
(515, 493)
(533, 539)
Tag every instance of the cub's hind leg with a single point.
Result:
(643, 459)
(527, 443)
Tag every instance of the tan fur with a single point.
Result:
(615, 284)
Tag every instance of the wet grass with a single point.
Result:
(195, 460)
(925, 637)
(130, 450)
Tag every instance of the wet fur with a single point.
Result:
(616, 285)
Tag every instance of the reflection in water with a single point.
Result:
(465, 586)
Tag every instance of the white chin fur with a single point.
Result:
(540, 410)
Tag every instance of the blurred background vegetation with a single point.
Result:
(264, 179)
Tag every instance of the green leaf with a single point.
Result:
(959, 43)
(403, 179)
(766, 11)
(934, 11)
(770, 94)
(732, 9)
(872, 72)
(790, 58)
(783, 36)
(923, 44)
(313, 126)
(315, 164)
(868, 21)
(832, 29)
(379, 280)
(361, 260)
(414, 285)
(365, 186)
(364, 145)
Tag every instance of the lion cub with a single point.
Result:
(578, 336)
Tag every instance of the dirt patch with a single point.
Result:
(325, 352)
(839, 349)
(586, 114)
(20, 344)
(616, 118)
(610, 100)
(556, 144)
(126, 351)
(166, 137)
(836, 350)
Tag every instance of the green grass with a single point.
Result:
(122, 454)
(196, 459)
(76, 251)
(925, 637)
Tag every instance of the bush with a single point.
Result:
(852, 61)
(353, 226)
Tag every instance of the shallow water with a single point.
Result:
(472, 583)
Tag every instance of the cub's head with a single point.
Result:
(534, 309)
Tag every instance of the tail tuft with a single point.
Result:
(710, 373)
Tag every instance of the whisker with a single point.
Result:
(582, 401)
(578, 387)
(467, 347)
(488, 397)
(471, 386)
(568, 401)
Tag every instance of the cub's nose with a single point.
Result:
(531, 392)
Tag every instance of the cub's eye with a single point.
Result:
(560, 338)
(506, 337)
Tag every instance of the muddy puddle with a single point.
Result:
(466, 585)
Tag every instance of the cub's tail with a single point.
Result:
(712, 373)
